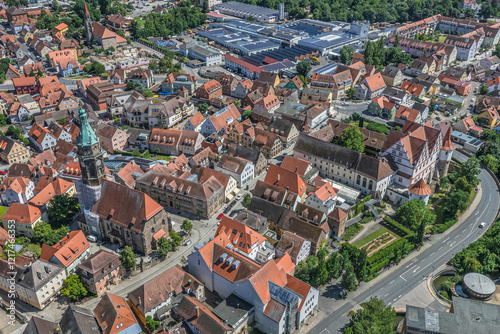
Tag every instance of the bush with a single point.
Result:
(398, 226)
(443, 227)
(378, 127)
(351, 231)
(444, 294)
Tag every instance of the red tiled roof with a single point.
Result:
(285, 179)
(420, 188)
(22, 213)
(68, 249)
(242, 237)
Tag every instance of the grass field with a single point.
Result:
(3, 209)
(441, 38)
(370, 237)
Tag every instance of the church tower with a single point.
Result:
(90, 153)
(87, 25)
(90, 157)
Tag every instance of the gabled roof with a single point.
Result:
(114, 315)
(97, 261)
(375, 82)
(135, 207)
(22, 213)
(242, 237)
(295, 165)
(160, 288)
(129, 173)
(200, 316)
(285, 179)
(67, 250)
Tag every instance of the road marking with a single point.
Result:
(431, 254)
(399, 296)
(440, 248)
(454, 242)
(456, 236)
(476, 213)
(403, 278)
(389, 304)
(324, 331)
(386, 294)
(416, 269)
(394, 299)
(391, 282)
(446, 239)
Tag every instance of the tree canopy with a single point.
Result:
(44, 234)
(353, 139)
(303, 67)
(346, 54)
(413, 213)
(74, 288)
(127, 258)
(62, 209)
(373, 318)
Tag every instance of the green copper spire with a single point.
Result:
(87, 136)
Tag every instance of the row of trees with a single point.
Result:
(350, 263)
(374, 11)
(482, 255)
(462, 183)
(378, 55)
(489, 154)
(176, 20)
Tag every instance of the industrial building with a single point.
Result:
(244, 43)
(243, 10)
(209, 56)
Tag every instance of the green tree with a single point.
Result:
(62, 209)
(3, 120)
(470, 169)
(455, 201)
(349, 277)
(203, 107)
(490, 162)
(247, 199)
(247, 114)
(205, 7)
(187, 225)
(350, 93)
(373, 318)
(346, 54)
(322, 273)
(127, 258)
(413, 213)
(353, 139)
(164, 246)
(303, 67)
(74, 288)
(462, 184)
(176, 238)
(419, 238)
(147, 92)
(334, 265)
(483, 89)
(151, 323)
(472, 265)
(360, 269)
(153, 65)
(44, 234)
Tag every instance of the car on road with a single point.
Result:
(220, 215)
(2, 172)
(438, 118)
(239, 196)
(187, 243)
(483, 224)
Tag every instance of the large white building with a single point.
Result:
(281, 301)
(203, 52)
(370, 175)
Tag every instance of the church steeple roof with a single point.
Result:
(86, 9)
(87, 135)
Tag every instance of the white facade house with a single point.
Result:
(323, 199)
(240, 169)
(41, 138)
(18, 190)
(356, 170)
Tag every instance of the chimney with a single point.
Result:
(140, 301)
(278, 177)
(197, 312)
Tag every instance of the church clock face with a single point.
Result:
(98, 162)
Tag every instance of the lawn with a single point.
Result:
(3, 209)
(441, 38)
(370, 237)
(161, 157)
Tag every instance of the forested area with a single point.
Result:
(374, 10)
(173, 22)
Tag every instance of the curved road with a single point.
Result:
(408, 276)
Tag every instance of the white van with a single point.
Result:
(92, 238)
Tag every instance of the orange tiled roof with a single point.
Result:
(241, 236)
(285, 179)
(68, 249)
(22, 213)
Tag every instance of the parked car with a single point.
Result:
(220, 215)
(239, 196)
(187, 243)
(2, 172)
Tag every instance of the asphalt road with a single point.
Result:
(408, 276)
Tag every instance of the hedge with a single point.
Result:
(382, 257)
(443, 227)
(398, 226)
